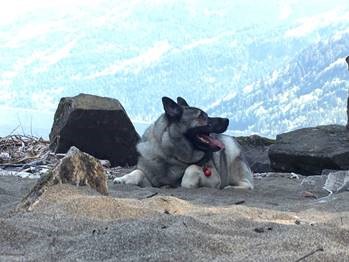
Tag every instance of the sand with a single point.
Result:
(274, 222)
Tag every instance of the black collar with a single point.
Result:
(207, 157)
(204, 160)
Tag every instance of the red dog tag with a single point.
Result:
(207, 171)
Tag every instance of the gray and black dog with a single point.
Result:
(184, 147)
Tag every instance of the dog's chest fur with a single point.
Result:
(164, 155)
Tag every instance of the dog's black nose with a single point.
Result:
(218, 124)
(226, 122)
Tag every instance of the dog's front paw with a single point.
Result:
(241, 185)
(136, 177)
(119, 180)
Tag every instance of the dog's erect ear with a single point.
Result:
(181, 101)
(172, 109)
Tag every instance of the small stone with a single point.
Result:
(239, 202)
(309, 194)
(263, 229)
(259, 230)
(105, 163)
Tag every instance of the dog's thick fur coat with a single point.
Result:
(183, 140)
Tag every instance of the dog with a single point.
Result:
(185, 147)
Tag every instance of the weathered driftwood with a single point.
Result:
(21, 149)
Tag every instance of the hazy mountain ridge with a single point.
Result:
(214, 65)
(309, 91)
(229, 67)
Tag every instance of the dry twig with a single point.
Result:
(22, 148)
(310, 254)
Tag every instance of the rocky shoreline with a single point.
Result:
(299, 208)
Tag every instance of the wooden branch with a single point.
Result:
(310, 254)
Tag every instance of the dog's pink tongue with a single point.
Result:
(214, 142)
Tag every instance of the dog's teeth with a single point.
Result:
(203, 140)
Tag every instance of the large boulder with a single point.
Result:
(308, 151)
(347, 60)
(255, 148)
(347, 126)
(96, 125)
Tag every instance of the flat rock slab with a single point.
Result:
(274, 222)
(308, 151)
(96, 125)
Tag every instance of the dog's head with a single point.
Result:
(194, 124)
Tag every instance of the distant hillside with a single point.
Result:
(310, 90)
(270, 68)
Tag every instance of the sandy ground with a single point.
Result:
(275, 222)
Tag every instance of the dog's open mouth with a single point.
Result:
(210, 141)
(205, 137)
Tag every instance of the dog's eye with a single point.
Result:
(203, 116)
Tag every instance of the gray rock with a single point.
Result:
(347, 60)
(337, 181)
(326, 172)
(81, 169)
(255, 148)
(326, 185)
(308, 151)
(77, 168)
(96, 125)
(347, 126)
